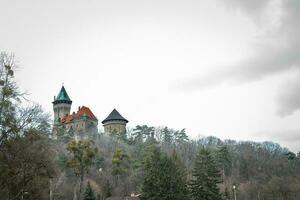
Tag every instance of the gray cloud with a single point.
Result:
(289, 96)
(278, 50)
(250, 6)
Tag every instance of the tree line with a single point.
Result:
(156, 162)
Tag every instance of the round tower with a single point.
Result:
(61, 105)
(115, 123)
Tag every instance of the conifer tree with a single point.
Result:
(163, 177)
(89, 194)
(206, 176)
(82, 155)
(151, 189)
(178, 178)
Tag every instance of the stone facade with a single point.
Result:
(60, 111)
(115, 127)
(83, 122)
(115, 123)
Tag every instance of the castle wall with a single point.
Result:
(81, 125)
(61, 110)
(115, 127)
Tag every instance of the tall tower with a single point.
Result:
(115, 123)
(61, 105)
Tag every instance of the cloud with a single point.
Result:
(289, 96)
(277, 50)
(250, 6)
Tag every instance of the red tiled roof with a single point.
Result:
(83, 111)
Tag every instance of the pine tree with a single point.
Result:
(224, 160)
(89, 194)
(163, 177)
(206, 176)
(178, 178)
(152, 178)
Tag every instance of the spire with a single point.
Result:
(114, 115)
(62, 97)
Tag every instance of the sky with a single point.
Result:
(226, 68)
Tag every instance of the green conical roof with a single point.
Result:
(62, 96)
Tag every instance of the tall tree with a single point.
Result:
(205, 178)
(144, 132)
(9, 96)
(178, 178)
(82, 154)
(167, 136)
(119, 164)
(163, 178)
(180, 137)
(224, 160)
(25, 164)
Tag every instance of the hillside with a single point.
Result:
(155, 162)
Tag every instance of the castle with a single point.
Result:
(83, 121)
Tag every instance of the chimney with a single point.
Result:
(78, 108)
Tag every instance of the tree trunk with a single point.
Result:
(75, 192)
(50, 188)
(80, 184)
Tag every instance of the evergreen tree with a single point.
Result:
(206, 176)
(167, 136)
(224, 160)
(178, 180)
(82, 155)
(151, 189)
(89, 194)
(144, 132)
(163, 178)
(120, 165)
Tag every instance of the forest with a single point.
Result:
(152, 162)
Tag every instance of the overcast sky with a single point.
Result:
(228, 68)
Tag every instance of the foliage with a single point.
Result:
(25, 165)
(162, 160)
(82, 157)
(63, 135)
(164, 179)
(144, 132)
(25, 153)
(119, 163)
(9, 97)
(89, 194)
(206, 176)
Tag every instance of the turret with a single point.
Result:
(114, 123)
(61, 105)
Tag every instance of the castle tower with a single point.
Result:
(61, 105)
(115, 123)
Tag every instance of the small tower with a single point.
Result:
(61, 105)
(115, 123)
